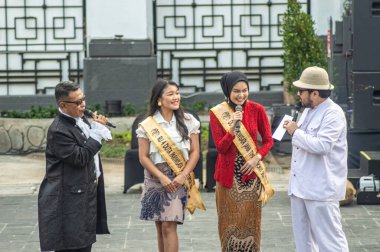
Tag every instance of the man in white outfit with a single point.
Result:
(319, 166)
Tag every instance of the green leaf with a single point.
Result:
(302, 47)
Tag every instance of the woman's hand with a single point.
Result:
(168, 184)
(236, 116)
(247, 168)
(179, 180)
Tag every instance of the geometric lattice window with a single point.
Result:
(197, 41)
(41, 43)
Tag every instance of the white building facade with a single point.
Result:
(195, 41)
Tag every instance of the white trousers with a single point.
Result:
(317, 226)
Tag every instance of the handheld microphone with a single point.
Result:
(89, 113)
(297, 108)
(237, 126)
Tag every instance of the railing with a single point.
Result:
(197, 41)
(40, 45)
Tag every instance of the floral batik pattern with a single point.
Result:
(239, 213)
(159, 205)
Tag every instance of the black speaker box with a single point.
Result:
(370, 161)
(366, 38)
(125, 79)
(340, 92)
(359, 140)
(120, 48)
(338, 37)
(366, 101)
(347, 34)
(368, 198)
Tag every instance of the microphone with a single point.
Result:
(297, 108)
(237, 126)
(89, 113)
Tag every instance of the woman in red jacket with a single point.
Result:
(238, 188)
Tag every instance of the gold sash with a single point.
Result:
(174, 157)
(246, 146)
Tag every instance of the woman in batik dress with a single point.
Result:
(164, 195)
(238, 188)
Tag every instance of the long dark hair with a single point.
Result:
(179, 114)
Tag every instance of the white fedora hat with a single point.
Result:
(314, 78)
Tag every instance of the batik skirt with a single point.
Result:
(239, 213)
(159, 205)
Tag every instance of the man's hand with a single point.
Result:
(290, 126)
(99, 118)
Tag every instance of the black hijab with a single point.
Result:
(228, 81)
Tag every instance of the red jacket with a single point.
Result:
(255, 120)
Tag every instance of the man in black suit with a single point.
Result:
(71, 200)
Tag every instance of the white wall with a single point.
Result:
(133, 18)
(321, 10)
(129, 18)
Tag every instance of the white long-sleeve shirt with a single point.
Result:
(319, 157)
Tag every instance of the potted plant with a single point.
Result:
(302, 47)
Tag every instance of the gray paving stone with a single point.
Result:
(19, 230)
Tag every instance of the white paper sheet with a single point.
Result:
(280, 131)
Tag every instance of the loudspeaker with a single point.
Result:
(120, 48)
(370, 161)
(366, 101)
(340, 92)
(125, 79)
(342, 60)
(368, 198)
(347, 34)
(359, 140)
(338, 37)
(366, 38)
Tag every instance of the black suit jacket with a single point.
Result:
(71, 204)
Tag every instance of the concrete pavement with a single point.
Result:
(20, 177)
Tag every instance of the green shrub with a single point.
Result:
(204, 137)
(39, 112)
(125, 136)
(198, 106)
(113, 150)
(129, 110)
(95, 107)
(51, 111)
(302, 47)
(117, 147)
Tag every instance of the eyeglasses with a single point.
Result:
(77, 102)
(302, 90)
